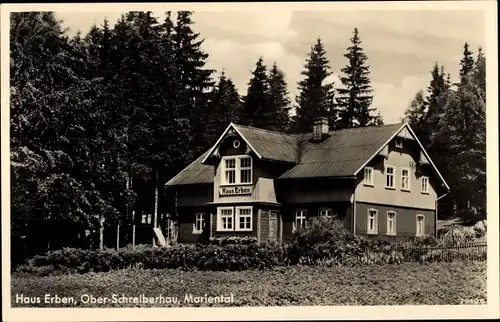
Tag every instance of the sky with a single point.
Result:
(402, 45)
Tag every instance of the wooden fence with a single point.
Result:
(466, 251)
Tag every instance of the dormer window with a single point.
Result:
(237, 170)
(398, 142)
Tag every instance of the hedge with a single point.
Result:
(323, 242)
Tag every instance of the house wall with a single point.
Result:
(263, 172)
(264, 225)
(407, 157)
(194, 195)
(343, 210)
(314, 190)
(406, 220)
(186, 221)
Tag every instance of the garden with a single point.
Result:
(323, 264)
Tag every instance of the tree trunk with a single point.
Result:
(101, 233)
(156, 202)
(133, 229)
(118, 237)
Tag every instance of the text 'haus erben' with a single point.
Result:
(265, 184)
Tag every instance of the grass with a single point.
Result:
(408, 283)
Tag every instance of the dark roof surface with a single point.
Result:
(341, 154)
(271, 145)
(194, 173)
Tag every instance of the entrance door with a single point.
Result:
(273, 226)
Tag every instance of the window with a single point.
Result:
(244, 218)
(199, 223)
(368, 176)
(325, 212)
(372, 221)
(420, 225)
(300, 219)
(405, 179)
(389, 177)
(230, 171)
(391, 223)
(246, 170)
(237, 170)
(225, 219)
(424, 188)
(398, 142)
(146, 218)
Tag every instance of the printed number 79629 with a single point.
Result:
(472, 301)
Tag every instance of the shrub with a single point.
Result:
(232, 240)
(460, 235)
(323, 240)
(208, 257)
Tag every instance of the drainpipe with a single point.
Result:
(354, 212)
(436, 215)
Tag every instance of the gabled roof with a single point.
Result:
(195, 173)
(268, 145)
(343, 154)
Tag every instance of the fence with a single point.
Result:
(467, 251)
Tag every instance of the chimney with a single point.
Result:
(320, 128)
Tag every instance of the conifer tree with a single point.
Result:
(316, 97)
(467, 63)
(416, 112)
(222, 109)
(55, 174)
(354, 99)
(479, 73)
(279, 100)
(256, 103)
(190, 61)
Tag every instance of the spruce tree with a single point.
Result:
(416, 112)
(194, 77)
(467, 63)
(315, 97)
(433, 101)
(479, 73)
(256, 103)
(222, 109)
(354, 99)
(279, 100)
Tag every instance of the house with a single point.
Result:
(255, 182)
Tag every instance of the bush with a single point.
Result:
(321, 242)
(209, 257)
(232, 240)
(324, 240)
(461, 235)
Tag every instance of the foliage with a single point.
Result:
(222, 241)
(222, 109)
(316, 97)
(355, 97)
(324, 241)
(279, 100)
(99, 121)
(407, 284)
(451, 123)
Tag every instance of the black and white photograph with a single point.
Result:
(327, 156)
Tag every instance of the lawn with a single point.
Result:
(408, 283)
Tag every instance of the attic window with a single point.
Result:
(398, 142)
(236, 144)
